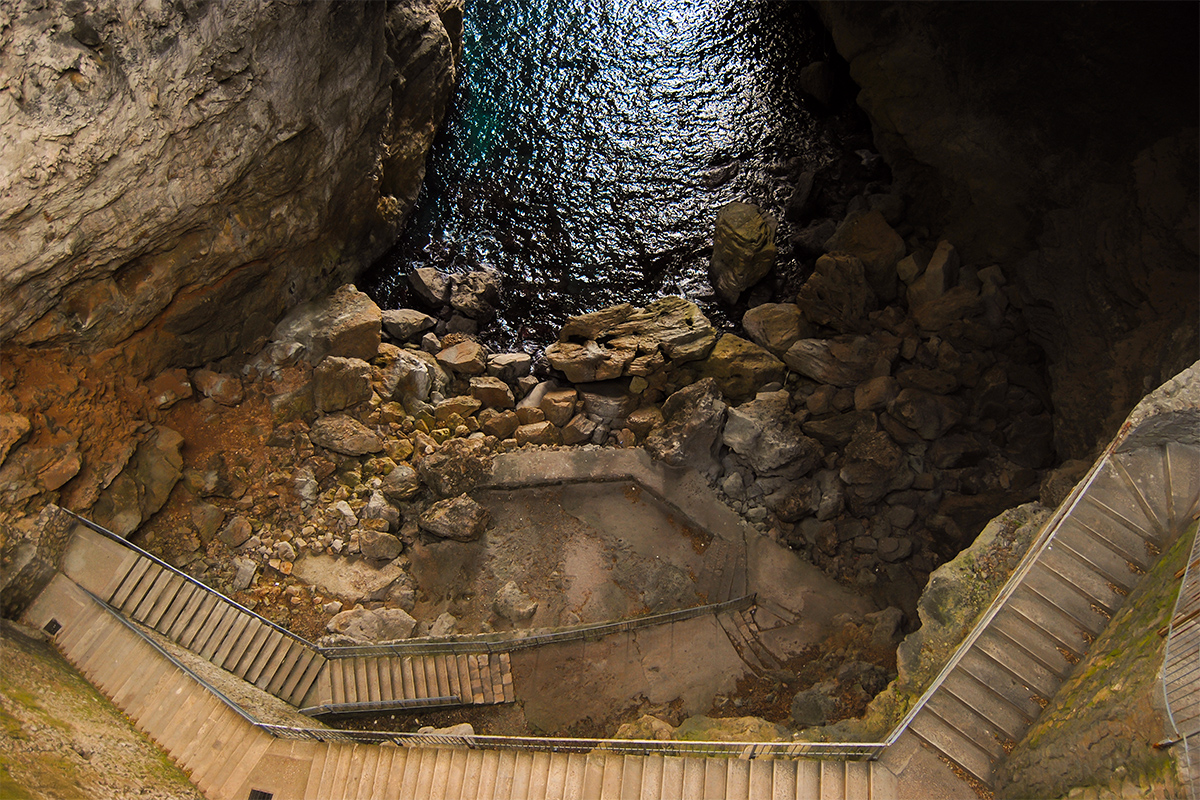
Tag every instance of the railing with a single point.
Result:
(1181, 666)
(502, 643)
(380, 706)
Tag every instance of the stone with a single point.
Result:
(378, 507)
(285, 551)
(431, 285)
(458, 466)
(959, 303)
(244, 571)
(837, 294)
(208, 519)
(908, 269)
(458, 518)
(377, 625)
(646, 728)
(871, 457)
(940, 275)
(769, 436)
(509, 366)
(465, 358)
(14, 429)
(831, 495)
(815, 706)
(846, 360)
(538, 433)
(341, 516)
(167, 389)
(404, 324)
(892, 549)
(818, 81)
(457, 407)
(929, 415)
(378, 546)
(776, 326)
(868, 236)
(870, 679)
(476, 294)
(810, 240)
(222, 387)
(513, 604)
(607, 400)
(558, 406)
(957, 451)
(622, 341)
(1058, 482)
(578, 430)
(402, 483)
(739, 367)
(691, 430)
(502, 425)
(492, 392)
(344, 434)
(139, 490)
(239, 233)
(875, 394)
(928, 380)
(340, 383)
(643, 420)
(743, 249)
(446, 624)
(346, 323)
(237, 532)
(793, 502)
(527, 415)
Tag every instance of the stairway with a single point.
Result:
(382, 682)
(742, 629)
(1137, 504)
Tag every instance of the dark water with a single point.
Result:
(591, 144)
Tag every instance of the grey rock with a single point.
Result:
(346, 323)
(814, 706)
(446, 624)
(743, 249)
(345, 435)
(379, 625)
(769, 436)
(401, 483)
(692, 422)
(378, 507)
(378, 546)
(431, 285)
(509, 366)
(929, 415)
(339, 383)
(843, 360)
(404, 324)
(243, 575)
(776, 326)
(513, 604)
(459, 518)
(457, 467)
(476, 294)
(285, 551)
(236, 532)
(608, 400)
(207, 518)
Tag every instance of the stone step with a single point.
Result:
(157, 587)
(186, 615)
(987, 672)
(1052, 589)
(1047, 649)
(129, 583)
(287, 665)
(833, 781)
(297, 688)
(652, 775)
(154, 616)
(1100, 559)
(1181, 464)
(538, 774)
(951, 743)
(236, 641)
(971, 723)
(1143, 472)
(1088, 582)
(1050, 620)
(1012, 657)
(506, 773)
(1008, 721)
(1091, 521)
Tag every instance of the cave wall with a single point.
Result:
(176, 174)
(1058, 140)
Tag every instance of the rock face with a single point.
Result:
(174, 178)
(1100, 242)
(743, 249)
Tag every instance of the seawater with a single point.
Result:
(591, 144)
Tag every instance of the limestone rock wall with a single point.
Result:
(174, 175)
(1059, 141)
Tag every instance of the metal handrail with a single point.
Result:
(1186, 610)
(500, 643)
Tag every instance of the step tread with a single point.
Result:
(1007, 718)
(1048, 650)
(1089, 582)
(999, 680)
(1053, 590)
(951, 743)
(973, 724)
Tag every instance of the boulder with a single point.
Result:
(625, 341)
(431, 285)
(815, 706)
(509, 366)
(139, 490)
(346, 323)
(167, 389)
(940, 275)
(876, 393)
(643, 420)
(740, 368)
(743, 249)
(459, 407)
(961, 302)
(578, 430)
(244, 571)
(818, 80)
(346, 435)
(558, 406)
(458, 518)
(492, 392)
(457, 467)
(867, 236)
(502, 425)
(835, 432)
(207, 518)
(768, 435)
(873, 465)
(446, 624)
(339, 383)
(513, 604)
(776, 326)
(378, 507)
(465, 358)
(843, 360)
(373, 625)
(237, 532)
(538, 433)
(691, 430)
(401, 483)
(405, 375)
(377, 545)
(608, 400)
(837, 294)
(929, 415)
(404, 324)
(14, 429)
(476, 294)
(222, 387)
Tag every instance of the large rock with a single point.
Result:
(459, 518)
(476, 294)
(768, 435)
(346, 435)
(401, 483)
(464, 358)
(142, 486)
(340, 383)
(868, 237)
(346, 323)
(14, 429)
(739, 367)
(407, 375)
(743, 249)
(776, 326)
(172, 180)
(378, 625)
(457, 467)
(431, 284)
(843, 360)
(837, 294)
(405, 323)
(691, 430)
(625, 341)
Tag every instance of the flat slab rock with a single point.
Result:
(347, 577)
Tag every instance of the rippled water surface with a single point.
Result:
(591, 144)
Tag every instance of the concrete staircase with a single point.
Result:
(1137, 504)
(381, 682)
